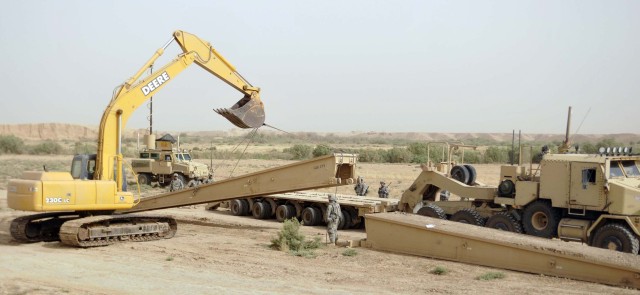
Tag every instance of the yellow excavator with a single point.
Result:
(80, 204)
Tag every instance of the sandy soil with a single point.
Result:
(215, 252)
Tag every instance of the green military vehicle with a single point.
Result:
(160, 163)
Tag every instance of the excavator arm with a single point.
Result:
(248, 112)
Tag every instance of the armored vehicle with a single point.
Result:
(160, 163)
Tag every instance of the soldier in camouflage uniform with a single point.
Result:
(332, 216)
(208, 180)
(383, 191)
(176, 183)
(361, 188)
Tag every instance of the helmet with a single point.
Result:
(332, 198)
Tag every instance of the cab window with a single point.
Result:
(155, 156)
(631, 168)
(167, 158)
(187, 157)
(144, 155)
(615, 170)
(180, 157)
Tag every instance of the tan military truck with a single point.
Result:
(590, 198)
(160, 163)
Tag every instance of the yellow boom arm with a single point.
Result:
(248, 112)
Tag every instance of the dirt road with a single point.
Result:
(215, 252)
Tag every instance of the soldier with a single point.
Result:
(332, 216)
(176, 183)
(193, 182)
(361, 188)
(208, 180)
(383, 191)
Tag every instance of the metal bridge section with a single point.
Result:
(322, 172)
(442, 239)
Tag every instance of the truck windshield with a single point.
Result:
(615, 170)
(179, 156)
(631, 168)
(187, 157)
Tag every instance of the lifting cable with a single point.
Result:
(305, 140)
(249, 138)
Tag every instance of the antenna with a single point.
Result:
(566, 143)
(583, 118)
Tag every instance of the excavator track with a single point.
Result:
(42, 227)
(98, 231)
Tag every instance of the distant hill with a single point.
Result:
(59, 131)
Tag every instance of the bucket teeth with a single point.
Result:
(231, 117)
(246, 113)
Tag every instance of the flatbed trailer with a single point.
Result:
(310, 206)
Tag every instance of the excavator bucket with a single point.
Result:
(248, 112)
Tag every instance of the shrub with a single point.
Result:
(299, 151)
(322, 150)
(350, 252)
(439, 270)
(46, 148)
(399, 155)
(11, 144)
(490, 276)
(291, 240)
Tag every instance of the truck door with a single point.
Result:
(586, 184)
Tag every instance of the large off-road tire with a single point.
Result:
(460, 173)
(432, 210)
(468, 215)
(618, 237)
(261, 210)
(540, 219)
(472, 174)
(144, 179)
(504, 221)
(239, 207)
(311, 216)
(345, 220)
(284, 212)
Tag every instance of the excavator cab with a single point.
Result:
(248, 112)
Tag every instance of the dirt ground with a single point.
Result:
(215, 252)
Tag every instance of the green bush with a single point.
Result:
(46, 148)
(11, 144)
(322, 150)
(300, 152)
(350, 252)
(490, 276)
(439, 270)
(399, 155)
(291, 240)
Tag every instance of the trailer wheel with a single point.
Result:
(261, 210)
(345, 220)
(504, 221)
(239, 207)
(468, 215)
(472, 174)
(432, 210)
(311, 216)
(540, 219)
(460, 173)
(284, 212)
(144, 179)
(616, 237)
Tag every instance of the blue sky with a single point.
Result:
(331, 66)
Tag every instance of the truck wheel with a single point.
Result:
(616, 237)
(236, 207)
(261, 210)
(239, 207)
(460, 173)
(468, 215)
(540, 219)
(472, 174)
(504, 221)
(432, 210)
(144, 179)
(284, 212)
(345, 220)
(311, 216)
